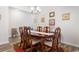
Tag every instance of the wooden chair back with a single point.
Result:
(56, 38)
(25, 38)
(46, 29)
(58, 32)
(39, 28)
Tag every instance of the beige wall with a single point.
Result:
(4, 25)
(70, 28)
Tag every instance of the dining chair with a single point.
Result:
(39, 28)
(14, 32)
(46, 29)
(27, 39)
(57, 39)
(54, 44)
(21, 29)
(24, 43)
(58, 30)
(29, 43)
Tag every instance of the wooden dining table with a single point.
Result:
(41, 36)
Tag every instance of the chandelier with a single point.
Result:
(35, 10)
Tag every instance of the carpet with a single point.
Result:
(36, 49)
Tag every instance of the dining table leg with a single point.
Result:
(42, 44)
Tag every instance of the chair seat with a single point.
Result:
(48, 39)
(35, 41)
(48, 43)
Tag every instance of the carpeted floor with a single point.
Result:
(66, 47)
(63, 48)
(36, 48)
(69, 48)
(10, 47)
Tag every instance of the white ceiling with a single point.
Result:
(23, 8)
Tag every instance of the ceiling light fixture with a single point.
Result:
(35, 10)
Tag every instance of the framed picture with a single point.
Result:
(66, 16)
(51, 14)
(42, 19)
(51, 22)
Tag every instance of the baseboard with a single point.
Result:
(5, 42)
(70, 44)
